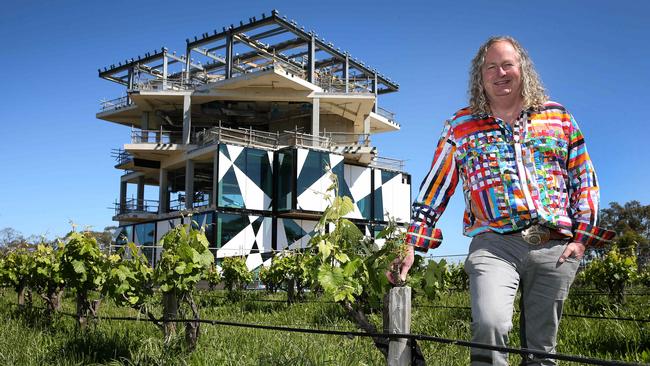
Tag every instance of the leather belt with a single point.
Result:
(538, 234)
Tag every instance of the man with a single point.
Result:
(531, 200)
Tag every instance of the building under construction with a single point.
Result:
(240, 130)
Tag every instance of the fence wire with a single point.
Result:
(526, 352)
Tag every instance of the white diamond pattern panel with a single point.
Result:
(396, 198)
(253, 261)
(241, 244)
(284, 225)
(250, 243)
(281, 240)
(224, 162)
(254, 197)
(358, 180)
(313, 198)
(308, 227)
(264, 236)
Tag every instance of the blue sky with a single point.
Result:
(56, 164)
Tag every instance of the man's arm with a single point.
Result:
(435, 191)
(584, 198)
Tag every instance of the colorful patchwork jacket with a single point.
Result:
(535, 171)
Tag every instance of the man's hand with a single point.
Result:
(402, 264)
(575, 250)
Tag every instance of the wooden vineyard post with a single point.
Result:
(397, 319)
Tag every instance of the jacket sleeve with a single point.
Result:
(435, 191)
(584, 195)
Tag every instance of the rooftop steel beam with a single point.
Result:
(220, 35)
(112, 70)
(313, 42)
(329, 48)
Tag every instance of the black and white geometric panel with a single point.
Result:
(313, 178)
(357, 185)
(245, 177)
(392, 196)
(252, 240)
(294, 233)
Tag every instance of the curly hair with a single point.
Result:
(532, 91)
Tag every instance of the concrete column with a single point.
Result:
(215, 179)
(189, 184)
(144, 126)
(165, 63)
(140, 201)
(366, 125)
(163, 192)
(311, 59)
(315, 117)
(123, 192)
(187, 65)
(187, 119)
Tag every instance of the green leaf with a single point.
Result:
(78, 266)
(341, 257)
(351, 267)
(180, 268)
(325, 249)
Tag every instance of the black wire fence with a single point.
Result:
(525, 352)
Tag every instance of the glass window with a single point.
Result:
(144, 238)
(285, 179)
(229, 193)
(378, 205)
(255, 164)
(312, 169)
(228, 226)
(258, 169)
(292, 230)
(205, 220)
(123, 236)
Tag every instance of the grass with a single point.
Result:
(26, 338)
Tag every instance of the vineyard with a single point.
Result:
(70, 303)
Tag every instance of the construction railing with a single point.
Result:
(170, 83)
(295, 138)
(386, 113)
(387, 163)
(255, 138)
(348, 138)
(121, 156)
(116, 103)
(244, 136)
(134, 205)
(155, 136)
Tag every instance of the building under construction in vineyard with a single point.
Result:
(240, 129)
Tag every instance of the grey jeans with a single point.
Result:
(497, 266)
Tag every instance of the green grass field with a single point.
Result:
(27, 339)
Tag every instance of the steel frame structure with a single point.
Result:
(248, 47)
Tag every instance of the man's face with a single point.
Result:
(501, 72)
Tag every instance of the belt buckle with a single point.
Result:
(536, 234)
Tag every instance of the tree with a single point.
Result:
(631, 222)
(630, 216)
(11, 238)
